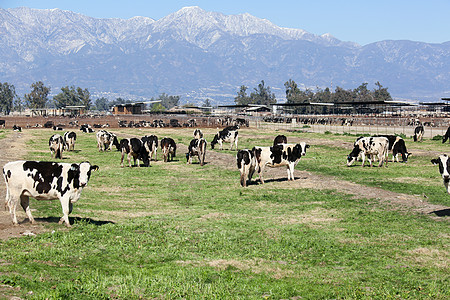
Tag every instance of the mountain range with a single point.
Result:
(198, 54)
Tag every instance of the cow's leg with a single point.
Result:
(243, 177)
(447, 186)
(11, 201)
(260, 172)
(121, 159)
(363, 158)
(290, 171)
(25, 203)
(129, 160)
(67, 209)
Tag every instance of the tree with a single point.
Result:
(242, 98)
(262, 95)
(169, 101)
(38, 97)
(207, 103)
(7, 97)
(72, 97)
(381, 93)
(84, 97)
(102, 104)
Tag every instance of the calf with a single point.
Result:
(197, 147)
(397, 146)
(69, 140)
(418, 133)
(228, 135)
(151, 142)
(169, 149)
(280, 155)
(105, 140)
(56, 144)
(446, 135)
(444, 168)
(44, 181)
(198, 134)
(280, 139)
(135, 148)
(369, 146)
(246, 163)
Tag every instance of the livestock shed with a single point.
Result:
(128, 108)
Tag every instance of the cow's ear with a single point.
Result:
(74, 167)
(435, 161)
(307, 146)
(94, 168)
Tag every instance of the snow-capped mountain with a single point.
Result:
(199, 54)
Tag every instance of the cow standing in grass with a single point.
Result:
(197, 147)
(227, 135)
(444, 168)
(168, 149)
(69, 140)
(246, 163)
(134, 148)
(56, 144)
(369, 147)
(418, 133)
(151, 143)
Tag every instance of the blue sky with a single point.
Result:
(361, 21)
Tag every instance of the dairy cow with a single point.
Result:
(227, 135)
(369, 147)
(151, 144)
(105, 140)
(56, 144)
(2, 123)
(197, 147)
(444, 168)
(134, 148)
(198, 134)
(279, 155)
(168, 148)
(418, 133)
(397, 146)
(45, 181)
(86, 128)
(69, 140)
(446, 135)
(246, 163)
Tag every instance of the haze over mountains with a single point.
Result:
(198, 54)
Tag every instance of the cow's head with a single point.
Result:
(303, 147)
(351, 158)
(81, 173)
(444, 166)
(116, 142)
(215, 140)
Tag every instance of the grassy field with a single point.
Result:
(175, 231)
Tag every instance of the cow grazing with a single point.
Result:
(197, 147)
(246, 163)
(151, 142)
(397, 146)
(135, 148)
(370, 147)
(56, 144)
(418, 133)
(69, 140)
(168, 148)
(105, 140)
(227, 135)
(446, 135)
(280, 139)
(444, 168)
(280, 155)
(198, 134)
(45, 181)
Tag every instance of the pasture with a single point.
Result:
(178, 231)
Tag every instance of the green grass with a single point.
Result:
(176, 231)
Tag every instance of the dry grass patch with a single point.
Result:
(428, 256)
(314, 218)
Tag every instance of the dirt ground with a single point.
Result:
(13, 148)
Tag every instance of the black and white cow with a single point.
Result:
(57, 128)
(56, 144)
(369, 147)
(397, 146)
(280, 139)
(446, 135)
(198, 134)
(246, 163)
(86, 128)
(2, 123)
(69, 140)
(45, 181)
(17, 128)
(151, 142)
(444, 168)
(135, 148)
(227, 135)
(280, 155)
(418, 133)
(106, 139)
(168, 148)
(197, 147)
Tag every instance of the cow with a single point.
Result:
(135, 148)
(69, 138)
(86, 128)
(369, 146)
(444, 168)
(17, 128)
(45, 181)
(56, 128)
(56, 144)
(168, 148)
(2, 123)
(198, 134)
(105, 140)
(397, 146)
(446, 135)
(280, 155)
(280, 139)
(418, 133)
(151, 142)
(246, 163)
(197, 147)
(229, 135)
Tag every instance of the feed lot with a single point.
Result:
(184, 231)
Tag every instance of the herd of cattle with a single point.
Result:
(65, 181)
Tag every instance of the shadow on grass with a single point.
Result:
(442, 212)
(73, 220)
